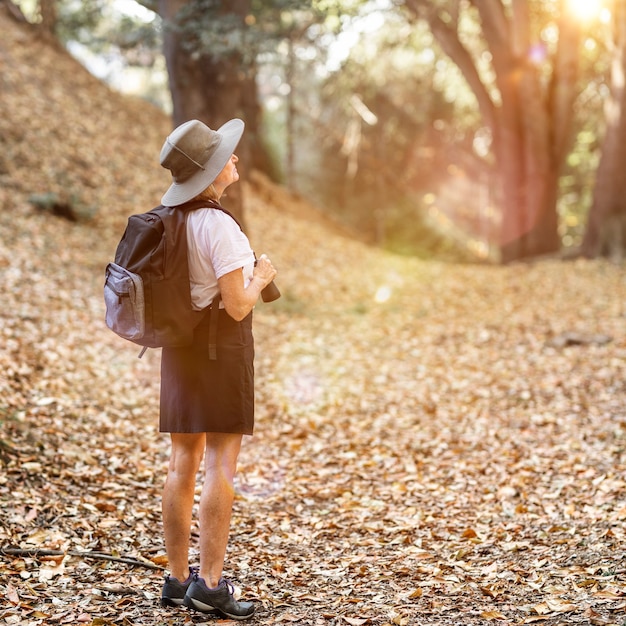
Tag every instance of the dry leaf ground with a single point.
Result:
(435, 443)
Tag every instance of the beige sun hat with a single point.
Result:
(195, 155)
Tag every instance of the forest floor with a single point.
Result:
(436, 444)
(450, 454)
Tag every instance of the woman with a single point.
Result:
(207, 403)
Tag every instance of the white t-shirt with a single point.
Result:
(215, 246)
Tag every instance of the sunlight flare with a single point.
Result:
(585, 10)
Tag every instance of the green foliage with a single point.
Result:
(577, 182)
(81, 23)
(101, 28)
(211, 29)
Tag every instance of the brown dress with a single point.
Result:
(203, 395)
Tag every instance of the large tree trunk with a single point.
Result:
(536, 122)
(606, 228)
(530, 124)
(212, 90)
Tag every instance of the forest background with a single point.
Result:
(438, 441)
(476, 129)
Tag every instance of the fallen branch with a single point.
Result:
(36, 553)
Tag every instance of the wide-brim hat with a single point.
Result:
(195, 155)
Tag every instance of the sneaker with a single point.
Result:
(174, 591)
(220, 599)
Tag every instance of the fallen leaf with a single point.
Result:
(491, 615)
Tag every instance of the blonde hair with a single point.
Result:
(210, 193)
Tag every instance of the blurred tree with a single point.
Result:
(210, 76)
(605, 234)
(211, 48)
(391, 117)
(382, 129)
(522, 65)
(48, 17)
(291, 40)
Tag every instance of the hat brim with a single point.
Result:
(179, 193)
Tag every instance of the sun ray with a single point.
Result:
(585, 10)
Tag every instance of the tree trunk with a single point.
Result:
(211, 90)
(48, 10)
(531, 123)
(605, 234)
(531, 149)
(535, 123)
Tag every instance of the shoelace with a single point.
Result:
(229, 585)
(193, 574)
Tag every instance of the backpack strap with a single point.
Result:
(215, 316)
(193, 205)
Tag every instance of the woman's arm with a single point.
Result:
(239, 301)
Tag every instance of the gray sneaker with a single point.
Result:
(174, 591)
(220, 599)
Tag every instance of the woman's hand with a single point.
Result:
(264, 271)
(239, 301)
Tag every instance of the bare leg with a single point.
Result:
(216, 503)
(178, 495)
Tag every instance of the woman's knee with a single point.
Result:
(222, 452)
(187, 451)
